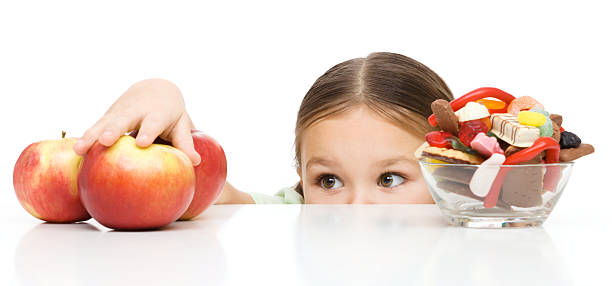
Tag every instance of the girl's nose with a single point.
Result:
(362, 196)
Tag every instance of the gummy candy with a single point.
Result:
(438, 139)
(443, 139)
(523, 103)
(542, 111)
(457, 145)
(547, 129)
(569, 140)
(487, 122)
(531, 118)
(470, 129)
(492, 104)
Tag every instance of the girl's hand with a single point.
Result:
(156, 108)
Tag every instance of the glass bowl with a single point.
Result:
(525, 194)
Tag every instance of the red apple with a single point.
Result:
(210, 174)
(45, 181)
(128, 187)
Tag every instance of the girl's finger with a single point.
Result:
(150, 128)
(181, 139)
(89, 137)
(116, 127)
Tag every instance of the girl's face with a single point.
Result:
(359, 157)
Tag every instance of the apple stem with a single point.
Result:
(63, 134)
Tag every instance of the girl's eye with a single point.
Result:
(330, 182)
(390, 180)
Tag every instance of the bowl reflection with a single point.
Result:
(406, 245)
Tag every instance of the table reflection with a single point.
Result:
(83, 254)
(399, 245)
(365, 245)
(490, 257)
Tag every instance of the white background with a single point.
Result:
(244, 67)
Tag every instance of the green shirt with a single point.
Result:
(286, 195)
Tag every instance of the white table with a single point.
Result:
(305, 245)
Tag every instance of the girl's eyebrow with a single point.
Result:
(383, 163)
(395, 160)
(320, 161)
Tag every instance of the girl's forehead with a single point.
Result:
(357, 131)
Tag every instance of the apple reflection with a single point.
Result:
(183, 253)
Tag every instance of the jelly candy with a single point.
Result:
(531, 118)
(492, 104)
(457, 145)
(547, 129)
(523, 103)
(487, 122)
(438, 139)
(542, 111)
(569, 140)
(443, 139)
(470, 129)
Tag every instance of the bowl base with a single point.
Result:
(494, 222)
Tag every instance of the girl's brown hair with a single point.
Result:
(395, 86)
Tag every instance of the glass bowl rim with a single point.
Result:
(423, 162)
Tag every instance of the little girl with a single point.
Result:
(356, 131)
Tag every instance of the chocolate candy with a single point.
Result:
(464, 190)
(461, 175)
(522, 186)
(506, 127)
(552, 174)
(571, 154)
(557, 119)
(569, 140)
(446, 116)
(556, 131)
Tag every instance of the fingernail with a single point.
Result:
(142, 139)
(198, 160)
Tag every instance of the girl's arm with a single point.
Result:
(231, 195)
